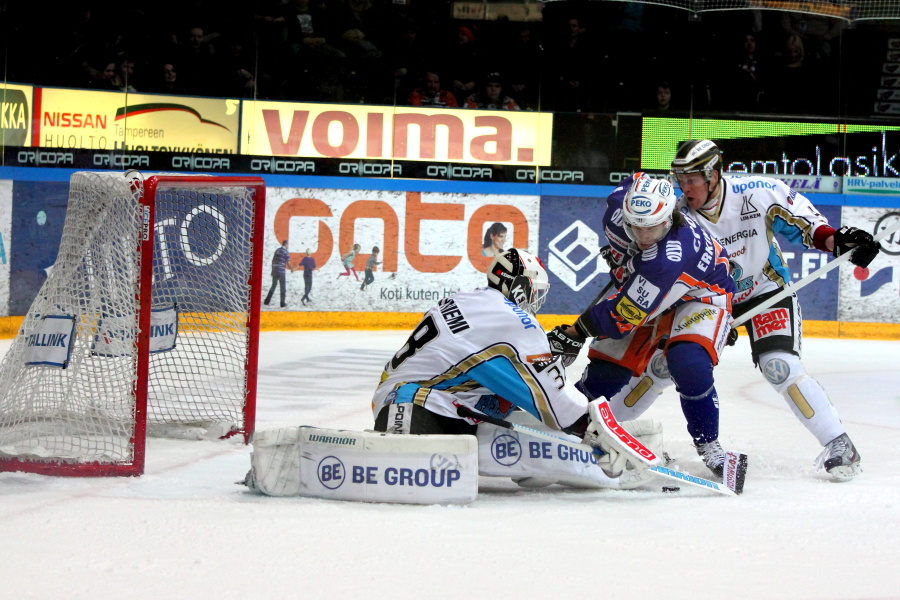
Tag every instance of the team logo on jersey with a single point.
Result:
(737, 273)
(748, 210)
(630, 312)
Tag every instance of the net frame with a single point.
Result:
(140, 197)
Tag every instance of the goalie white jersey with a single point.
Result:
(480, 350)
(751, 211)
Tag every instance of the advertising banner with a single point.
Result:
(6, 187)
(872, 295)
(38, 215)
(572, 234)
(358, 132)
(571, 238)
(429, 246)
(15, 114)
(835, 149)
(134, 122)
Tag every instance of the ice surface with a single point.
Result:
(185, 530)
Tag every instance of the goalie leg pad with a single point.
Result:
(536, 462)
(364, 466)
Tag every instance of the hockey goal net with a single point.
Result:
(148, 322)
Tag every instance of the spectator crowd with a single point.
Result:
(587, 57)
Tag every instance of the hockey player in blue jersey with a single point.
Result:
(677, 296)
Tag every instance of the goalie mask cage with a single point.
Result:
(148, 321)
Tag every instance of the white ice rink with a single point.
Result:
(185, 530)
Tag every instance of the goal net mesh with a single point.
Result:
(197, 377)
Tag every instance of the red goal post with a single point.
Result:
(147, 324)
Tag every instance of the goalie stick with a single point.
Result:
(736, 464)
(792, 288)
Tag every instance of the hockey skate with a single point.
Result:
(840, 458)
(713, 457)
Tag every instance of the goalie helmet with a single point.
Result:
(648, 202)
(521, 277)
(697, 156)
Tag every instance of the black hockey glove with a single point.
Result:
(732, 337)
(565, 345)
(863, 247)
(579, 427)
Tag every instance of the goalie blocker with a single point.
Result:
(364, 466)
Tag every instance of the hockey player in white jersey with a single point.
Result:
(485, 350)
(745, 214)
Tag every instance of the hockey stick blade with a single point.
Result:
(693, 480)
(734, 472)
(601, 413)
(665, 472)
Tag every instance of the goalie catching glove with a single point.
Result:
(863, 246)
(564, 345)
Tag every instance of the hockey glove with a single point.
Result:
(732, 337)
(619, 273)
(607, 253)
(564, 345)
(857, 241)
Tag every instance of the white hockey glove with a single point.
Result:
(613, 461)
(650, 433)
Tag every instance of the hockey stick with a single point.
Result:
(665, 472)
(792, 288)
(603, 292)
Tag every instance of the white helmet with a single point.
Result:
(648, 202)
(521, 277)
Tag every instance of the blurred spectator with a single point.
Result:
(795, 87)
(570, 69)
(167, 80)
(523, 65)
(491, 96)
(463, 61)
(235, 69)
(108, 78)
(742, 78)
(407, 55)
(197, 64)
(125, 71)
(816, 31)
(663, 100)
(431, 94)
(312, 66)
